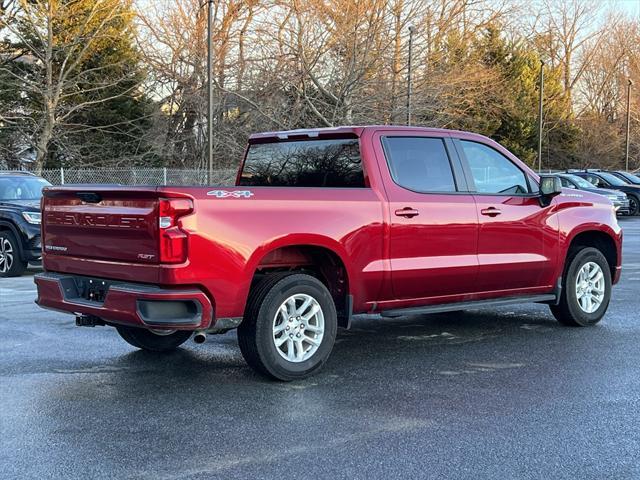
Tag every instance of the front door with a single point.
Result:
(433, 222)
(515, 242)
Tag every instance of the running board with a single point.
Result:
(451, 307)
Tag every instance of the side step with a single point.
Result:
(451, 307)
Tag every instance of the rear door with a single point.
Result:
(433, 221)
(115, 224)
(515, 242)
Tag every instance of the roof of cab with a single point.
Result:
(329, 132)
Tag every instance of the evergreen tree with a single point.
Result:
(79, 79)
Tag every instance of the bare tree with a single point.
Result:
(570, 37)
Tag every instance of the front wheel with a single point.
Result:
(289, 327)
(153, 340)
(11, 265)
(634, 205)
(586, 289)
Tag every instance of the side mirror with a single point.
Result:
(550, 186)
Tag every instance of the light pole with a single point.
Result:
(210, 87)
(540, 113)
(412, 29)
(626, 142)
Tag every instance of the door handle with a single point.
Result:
(490, 212)
(407, 212)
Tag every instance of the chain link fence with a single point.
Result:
(138, 176)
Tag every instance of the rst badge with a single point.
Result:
(55, 248)
(230, 193)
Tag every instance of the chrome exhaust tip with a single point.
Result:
(200, 337)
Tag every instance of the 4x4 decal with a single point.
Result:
(230, 193)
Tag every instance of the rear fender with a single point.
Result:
(295, 240)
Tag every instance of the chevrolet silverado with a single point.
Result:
(321, 225)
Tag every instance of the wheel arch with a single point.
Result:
(605, 241)
(319, 256)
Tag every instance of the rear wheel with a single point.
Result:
(153, 340)
(586, 289)
(289, 327)
(11, 265)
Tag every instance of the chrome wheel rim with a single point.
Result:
(6, 255)
(298, 328)
(590, 286)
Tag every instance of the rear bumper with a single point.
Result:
(123, 303)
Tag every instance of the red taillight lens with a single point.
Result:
(173, 240)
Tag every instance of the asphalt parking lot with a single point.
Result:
(501, 393)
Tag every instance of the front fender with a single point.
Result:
(595, 218)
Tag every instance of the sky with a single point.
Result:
(631, 7)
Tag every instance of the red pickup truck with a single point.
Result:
(321, 225)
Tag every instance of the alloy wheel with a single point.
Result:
(298, 328)
(590, 287)
(6, 255)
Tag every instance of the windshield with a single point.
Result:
(22, 188)
(632, 177)
(579, 181)
(612, 179)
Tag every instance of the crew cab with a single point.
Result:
(322, 225)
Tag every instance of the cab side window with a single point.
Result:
(419, 164)
(597, 181)
(492, 172)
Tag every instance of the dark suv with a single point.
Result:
(608, 180)
(20, 218)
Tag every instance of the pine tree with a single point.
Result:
(78, 76)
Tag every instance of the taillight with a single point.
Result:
(173, 240)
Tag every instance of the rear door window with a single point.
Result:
(309, 163)
(420, 164)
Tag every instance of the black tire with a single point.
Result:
(255, 333)
(10, 252)
(568, 311)
(634, 205)
(153, 342)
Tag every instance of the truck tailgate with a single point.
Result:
(102, 223)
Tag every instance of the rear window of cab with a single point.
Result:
(333, 163)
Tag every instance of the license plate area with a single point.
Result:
(86, 289)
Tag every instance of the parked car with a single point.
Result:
(322, 225)
(619, 199)
(628, 177)
(608, 180)
(20, 195)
